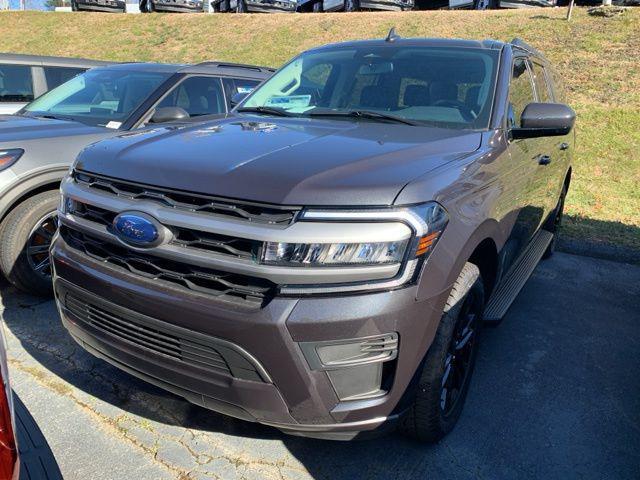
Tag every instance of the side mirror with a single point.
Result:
(169, 114)
(236, 98)
(545, 120)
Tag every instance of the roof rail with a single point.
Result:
(235, 65)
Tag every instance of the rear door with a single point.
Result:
(16, 87)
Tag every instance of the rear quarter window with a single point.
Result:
(16, 83)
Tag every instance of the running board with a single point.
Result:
(517, 276)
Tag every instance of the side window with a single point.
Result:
(520, 91)
(542, 89)
(16, 84)
(58, 75)
(233, 86)
(197, 95)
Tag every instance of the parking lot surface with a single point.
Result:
(556, 394)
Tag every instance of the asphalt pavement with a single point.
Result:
(555, 394)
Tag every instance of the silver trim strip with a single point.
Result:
(329, 426)
(277, 274)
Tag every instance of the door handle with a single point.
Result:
(564, 146)
(544, 160)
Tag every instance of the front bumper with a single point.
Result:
(390, 5)
(280, 388)
(178, 5)
(102, 5)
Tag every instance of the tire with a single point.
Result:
(485, 4)
(553, 223)
(430, 417)
(149, 7)
(74, 6)
(242, 7)
(351, 5)
(18, 231)
(318, 7)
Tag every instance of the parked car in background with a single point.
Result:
(38, 145)
(186, 6)
(25, 77)
(115, 6)
(321, 259)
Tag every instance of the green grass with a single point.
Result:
(599, 59)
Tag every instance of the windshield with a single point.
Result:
(99, 97)
(444, 87)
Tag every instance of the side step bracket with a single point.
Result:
(516, 277)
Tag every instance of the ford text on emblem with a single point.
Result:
(138, 229)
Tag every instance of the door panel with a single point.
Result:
(525, 153)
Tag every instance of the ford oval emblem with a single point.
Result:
(138, 229)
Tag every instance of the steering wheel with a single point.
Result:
(464, 110)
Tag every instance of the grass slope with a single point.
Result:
(599, 59)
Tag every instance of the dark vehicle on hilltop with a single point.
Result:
(25, 77)
(321, 260)
(38, 144)
(180, 6)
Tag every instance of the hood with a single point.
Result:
(16, 128)
(287, 161)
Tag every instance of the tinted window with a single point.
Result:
(233, 86)
(99, 96)
(16, 84)
(444, 87)
(197, 95)
(541, 83)
(58, 75)
(520, 91)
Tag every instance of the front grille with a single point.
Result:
(239, 289)
(189, 201)
(185, 237)
(204, 352)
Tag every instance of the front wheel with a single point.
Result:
(242, 7)
(486, 4)
(351, 5)
(74, 6)
(25, 238)
(448, 365)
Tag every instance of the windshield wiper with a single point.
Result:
(53, 117)
(370, 114)
(278, 112)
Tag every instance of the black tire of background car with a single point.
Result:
(242, 7)
(351, 5)
(486, 4)
(74, 6)
(15, 232)
(553, 223)
(318, 7)
(426, 420)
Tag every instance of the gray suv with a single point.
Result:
(39, 143)
(321, 260)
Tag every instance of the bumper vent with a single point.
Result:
(120, 324)
(238, 289)
(188, 201)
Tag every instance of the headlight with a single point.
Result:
(333, 254)
(9, 157)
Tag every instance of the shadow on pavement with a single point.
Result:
(36, 458)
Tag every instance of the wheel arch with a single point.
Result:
(28, 188)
